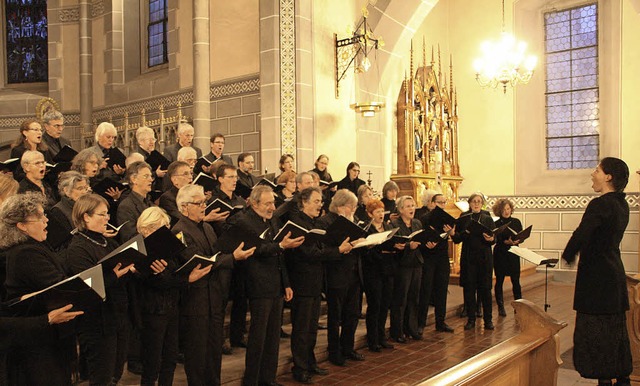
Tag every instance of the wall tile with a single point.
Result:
(570, 221)
(220, 126)
(543, 221)
(229, 107)
(251, 104)
(243, 124)
(555, 240)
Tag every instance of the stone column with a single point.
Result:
(86, 72)
(201, 81)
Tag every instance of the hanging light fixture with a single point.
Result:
(504, 62)
(355, 51)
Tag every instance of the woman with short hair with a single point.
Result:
(30, 138)
(34, 165)
(159, 295)
(72, 185)
(288, 180)
(140, 177)
(102, 331)
(506, 263)
(32, 266)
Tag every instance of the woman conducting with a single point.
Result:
(600, 341)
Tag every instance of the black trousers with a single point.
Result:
(478, 279)
(404, 306)
(305, 311)
(435, 281)
(123, 333)
(48, 364)
(378, 287)
(261, 361)
(99, 350)
(239, 307)
(515, 282)
(160, 341)
(203, 337)
(342, 316)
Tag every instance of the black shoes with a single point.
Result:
(303, 377)
(502, 311)
(470, 325)
(385, 344)
(420, 330)
(355, 356)
(226, 348)
(134, 367)
(375, 348)
(489, 326)
(242, 343)
(400, 340)
(318, 370)
(416, 337)
(444, 328)
(337, 359)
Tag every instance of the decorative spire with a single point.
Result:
(411, 61)
(439, 64)
(432, 60)
(451, 74)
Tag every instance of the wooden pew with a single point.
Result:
(633, 325)
(529, 358)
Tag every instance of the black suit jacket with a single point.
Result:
(339, 267)
(55, 144)
(168, 203)
(171, 151)
(600, 283)
(266, 271)
(205, 295)
(129, 210)
(304, 264)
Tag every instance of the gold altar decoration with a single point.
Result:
(427, 133)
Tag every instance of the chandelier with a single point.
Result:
(504, 62)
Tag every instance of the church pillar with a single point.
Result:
(86, 72)
(286, 83)
(201, 81)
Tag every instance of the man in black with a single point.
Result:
(203, 304)
(246, 164)
(53, 122)
(185, 138)
(267, 283)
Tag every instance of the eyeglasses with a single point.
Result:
(40, 217)
(34, 129)
(185, 174)
(146, 177)
(198, 203)
(234, 177)
(441, 202)
(219, 142)
(85, 188)
(103, 215)
(355, 170)
(38, 163)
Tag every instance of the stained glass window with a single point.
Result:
(572, 93)
(157, 32)
(26, 37)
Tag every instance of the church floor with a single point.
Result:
(410, 363)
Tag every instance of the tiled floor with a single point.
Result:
(412, 362)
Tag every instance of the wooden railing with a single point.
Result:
(529, 358)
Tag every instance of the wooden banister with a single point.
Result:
(529, 358)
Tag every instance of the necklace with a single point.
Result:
(103, 244)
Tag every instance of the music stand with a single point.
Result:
(538, 260)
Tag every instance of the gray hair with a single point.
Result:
(29, 156)
(401, 200)
(182, 127)
(83, 157)
(186, 193)
(257, 192)
(300, 175)
(133, 157)
(151, 219)
(342, 197)
(184, 152)
(144, 131)
(104, 127)
(427, 196)
(68, 180)
(52, 115)
(16, 209)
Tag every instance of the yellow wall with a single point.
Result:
(631, 98)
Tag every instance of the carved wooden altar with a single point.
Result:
(427, 134)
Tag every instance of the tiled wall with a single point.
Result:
(554, 218)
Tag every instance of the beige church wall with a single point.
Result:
(234, 39)
(630, 80)
(335, 122)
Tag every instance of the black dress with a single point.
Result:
(352, 185)
(506, 263)
(32, 266)
(476, 263)
(601, 342)
(103, 331)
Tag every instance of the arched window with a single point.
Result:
(157, 33)
(26, 38)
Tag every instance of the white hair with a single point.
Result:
(186, 153)
(182, 127)
(144, 131)
(103, 128)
